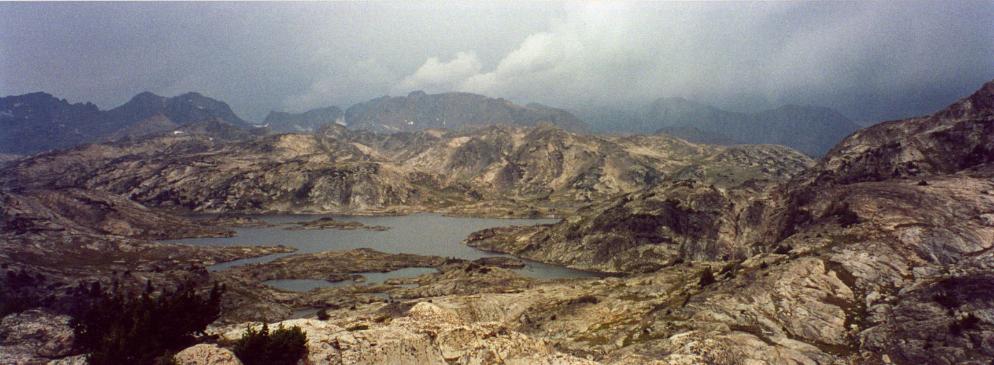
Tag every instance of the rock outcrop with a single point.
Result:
(425, 334)
(204, 354)
(35, 337)
(644, 231)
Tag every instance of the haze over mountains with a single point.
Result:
(810, 129)
(39, 121)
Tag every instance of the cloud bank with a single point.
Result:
(825, 54)
(870, 60)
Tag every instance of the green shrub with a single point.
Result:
(284, 346)
(117, 329)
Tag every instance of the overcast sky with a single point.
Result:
(871, 61)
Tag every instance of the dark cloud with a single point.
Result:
(870, 60)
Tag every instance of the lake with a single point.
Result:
(422, 234)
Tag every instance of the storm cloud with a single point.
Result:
(870, 60)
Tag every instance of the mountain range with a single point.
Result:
(210, 167)
(419, 110)
(880, 252)
(38, 122)
(809, 129)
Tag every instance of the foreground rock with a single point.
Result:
(35, 337)
(425, 334)
(204, 354)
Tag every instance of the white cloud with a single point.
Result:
(623, 53)
(435, 76)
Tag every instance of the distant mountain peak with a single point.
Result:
(452, 110)
(146, 97)
(309, 121)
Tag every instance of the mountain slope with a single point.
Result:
(958, 137)
(496, 170)
(181, 109)
(419, 111)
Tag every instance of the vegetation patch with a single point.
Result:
(283, 346)
(115, 328)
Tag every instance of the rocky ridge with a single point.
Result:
(420, 111)
(546, 171)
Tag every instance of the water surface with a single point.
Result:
(422, 234)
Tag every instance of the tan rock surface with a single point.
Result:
(205, 354)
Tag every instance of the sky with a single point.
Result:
(870, 60)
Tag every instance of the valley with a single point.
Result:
(527, 244)
(496, 183)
